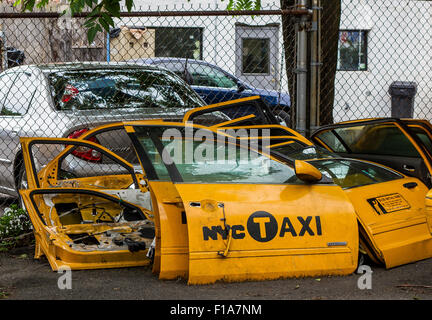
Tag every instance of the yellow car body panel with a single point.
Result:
(395, 220)
(171, 258)
(53, 240)
(207, 232)
(268, 236)
(214, 106)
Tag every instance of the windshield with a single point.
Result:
(120, 88)
(209, 161)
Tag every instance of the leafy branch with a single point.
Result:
(101, 12)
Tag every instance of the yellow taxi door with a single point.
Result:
(208, 230)
(249, 231)
(390, 142)
(393, 220)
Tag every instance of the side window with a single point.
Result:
(20, 95)
(174, 66)
(6, 81)
(203, 75)
(92, 167)
(331, 141)
(379, 139)
(423, 136)
(116, 141)
(177, 67)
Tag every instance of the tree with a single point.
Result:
(101, 13)
(330, 19)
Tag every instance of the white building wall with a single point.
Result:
(399, 48)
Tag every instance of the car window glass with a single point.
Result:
(6, 81)
(177, 67)
(121, 88)
(331, 141)
(212, 116)
(423, 136)
(174, 66)
(155, 158)
(212, 161)
(378, 139)
(20, 95)
(353, 173)
(203, 75)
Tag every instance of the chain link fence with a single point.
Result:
(151, 65)
(162, 62)
(383, 45)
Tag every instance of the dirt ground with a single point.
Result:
(22, 277)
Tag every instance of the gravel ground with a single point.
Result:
(22, 277)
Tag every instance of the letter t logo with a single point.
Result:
(262, 221)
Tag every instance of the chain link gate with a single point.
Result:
(221, 55)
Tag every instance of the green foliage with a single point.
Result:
(13, 223)
(3, 294)
(244, 5)
(101, 12)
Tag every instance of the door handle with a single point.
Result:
(175, 202)
(410, 185)
(408, 168)
(195, 204)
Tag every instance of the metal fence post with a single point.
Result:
(3, 50)
(301, 70)
(315, 64)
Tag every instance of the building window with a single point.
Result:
(256, 56)
(179, 42)
(352, 54)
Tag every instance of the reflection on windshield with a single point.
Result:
(298, 151)
(120, 88)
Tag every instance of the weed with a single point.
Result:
(13, 223)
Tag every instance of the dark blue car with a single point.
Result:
(215, 85)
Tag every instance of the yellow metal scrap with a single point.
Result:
(207, 232)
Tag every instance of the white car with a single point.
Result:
(66, 100)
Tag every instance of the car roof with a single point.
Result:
(173, 59)
(75, 66)
(170, 59)
(156, 60)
